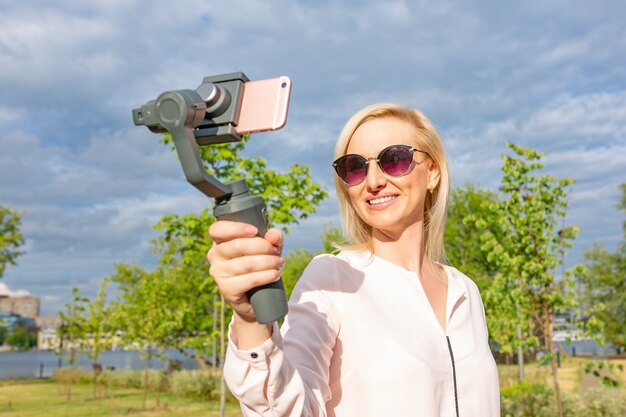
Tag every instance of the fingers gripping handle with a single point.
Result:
(268, 301)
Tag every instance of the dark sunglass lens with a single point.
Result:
(351, 169)
(396, 161)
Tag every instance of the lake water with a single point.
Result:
(36, 364)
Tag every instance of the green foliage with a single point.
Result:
(22, 338)
(472, 211)
(97, 325)
(72, 329)
(601, 402)
(201, 385)
(527, 400)
(71, 375)
(3, 333)
(182, 250)
(603, 371)
(125, 379)
(525, 245)
(139, 311)
(602, 284)
(538, 400)
(296, 262)
(289, 197)
(526, 248)
(10, 237)
(142, 313)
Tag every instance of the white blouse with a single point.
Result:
(361, 339)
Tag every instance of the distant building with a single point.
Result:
(11, 321)
(22, 306)
(47, 336)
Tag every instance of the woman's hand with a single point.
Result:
(240, 261)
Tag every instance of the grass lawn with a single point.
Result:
(36, 398)
(571, 374)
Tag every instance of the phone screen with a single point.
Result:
(264, 105)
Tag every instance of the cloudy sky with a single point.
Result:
(550, 75)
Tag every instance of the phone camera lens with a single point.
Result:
(283, 85)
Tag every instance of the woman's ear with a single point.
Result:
(433, 175)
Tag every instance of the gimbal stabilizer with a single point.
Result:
(205, 116)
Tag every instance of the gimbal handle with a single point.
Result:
(207, 116)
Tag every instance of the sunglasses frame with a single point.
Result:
(411, 149)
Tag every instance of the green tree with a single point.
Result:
(525, 295)
(10, 237)
(602, 282)
(463, 239)
(98, 331)
(22, 338)
(182, 254)
(3, 333)
(142, 312)
(72, 330)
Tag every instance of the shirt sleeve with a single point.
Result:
(289, 374)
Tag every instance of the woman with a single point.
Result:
(381, 329)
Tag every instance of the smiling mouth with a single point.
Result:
(381, 200)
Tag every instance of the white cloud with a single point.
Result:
(6, 291)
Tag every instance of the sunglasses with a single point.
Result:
(394, 160)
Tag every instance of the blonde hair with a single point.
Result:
(359, 233)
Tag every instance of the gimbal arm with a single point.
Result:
(207, 116)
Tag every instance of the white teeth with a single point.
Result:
(381, 200)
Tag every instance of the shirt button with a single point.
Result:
(254, 355)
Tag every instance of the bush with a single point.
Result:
(197, 384)
(526, 399)
(157, 380)
(70, 375)
(194, 384)
(602, 402)
(202, 385)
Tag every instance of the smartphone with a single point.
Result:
(264, 105)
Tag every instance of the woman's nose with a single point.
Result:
(375, 178)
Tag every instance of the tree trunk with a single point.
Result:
(520, 354)
(70, 379)
(97, 369)
(520, 350)
(548, 332)
(145, 379)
